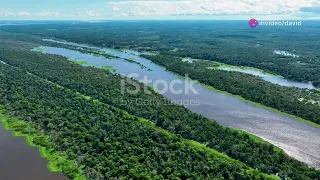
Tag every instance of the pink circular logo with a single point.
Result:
(253, 23)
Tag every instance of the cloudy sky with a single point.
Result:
(158, 9)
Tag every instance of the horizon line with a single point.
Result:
(156, 19)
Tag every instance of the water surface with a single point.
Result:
(18, 161)
(298, 139)
(271, 78)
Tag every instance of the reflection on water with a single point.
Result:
(18, 161)
(271, 78)
(298, 139)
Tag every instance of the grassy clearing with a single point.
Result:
(39, 49)
(79, 61)
(109, 68)
(84, 96)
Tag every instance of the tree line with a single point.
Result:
(105, 87)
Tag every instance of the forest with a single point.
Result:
(230, 42)
(108, 143)
(247, 86)
(70, 120)
(209, 40)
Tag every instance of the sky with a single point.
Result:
(158, 9)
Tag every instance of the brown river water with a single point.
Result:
(18, 161)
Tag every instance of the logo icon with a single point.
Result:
(253, 23)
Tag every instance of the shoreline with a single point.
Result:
(221, 66)
(263, 106)
(248, 101)
(57, 162)
(252, 136)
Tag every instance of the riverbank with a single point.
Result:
(229, 111)
(239, 97)
(61, 163)
(58, 162)
(295, 117)
(219, 65)
(222, 65)
(265, 75)
(251, 102)
(265, 107)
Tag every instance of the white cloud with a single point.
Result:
(92, 14)
(47, 13)
(211, 7)
(24, 14)
(115, 8)
(7, 13)
(123, 14)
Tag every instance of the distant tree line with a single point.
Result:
(85, 122)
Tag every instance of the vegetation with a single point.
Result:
(104, 142)
(96, 52)
(58, 161)
(85, 120)
(108, 68)
(230, 42)
(217, 65)
(40, 49)
(88, 50)
(79, 61)
(131, 60)
(247, 86)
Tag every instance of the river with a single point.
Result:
(18, 161)
(271, 78)
(297, 139)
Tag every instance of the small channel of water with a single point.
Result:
(271, 78)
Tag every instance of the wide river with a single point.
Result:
(18, 161)
(298, 139)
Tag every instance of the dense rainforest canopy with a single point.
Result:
(107, 142)
(248, 86)
(230, 42)
(111, 139)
